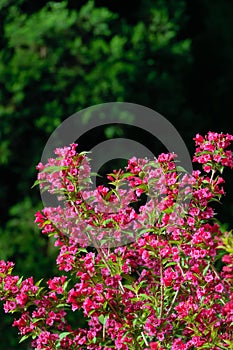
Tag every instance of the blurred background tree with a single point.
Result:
(58, 57)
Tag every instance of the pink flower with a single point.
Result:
(9, 306)
(219, 288)
(191, 221)
(199, 139)
(207, 168)
(209, 278)
(70, 188)
(57, 284)
(154, 346)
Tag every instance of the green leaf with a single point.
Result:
(130, 287)
(146, 230)
(37, 182)
(126, 175)
(144, 296)
(82, 250)
(39, 282)
(171, 264)
(54, 168)
(181, 169)
(103, 319)
(20, 281)
(63, 305)
(24, 338)
(63, 335)
(105, 305)
(206, 269)
(35, 320)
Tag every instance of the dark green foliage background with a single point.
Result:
(58, 57)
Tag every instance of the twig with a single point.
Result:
(173, 301)
(144, 338)
(161, 290)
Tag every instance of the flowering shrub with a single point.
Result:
(160, 291)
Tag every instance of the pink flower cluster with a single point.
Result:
(160, 291)
(212, 149)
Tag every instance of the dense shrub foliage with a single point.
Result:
(160, 291)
